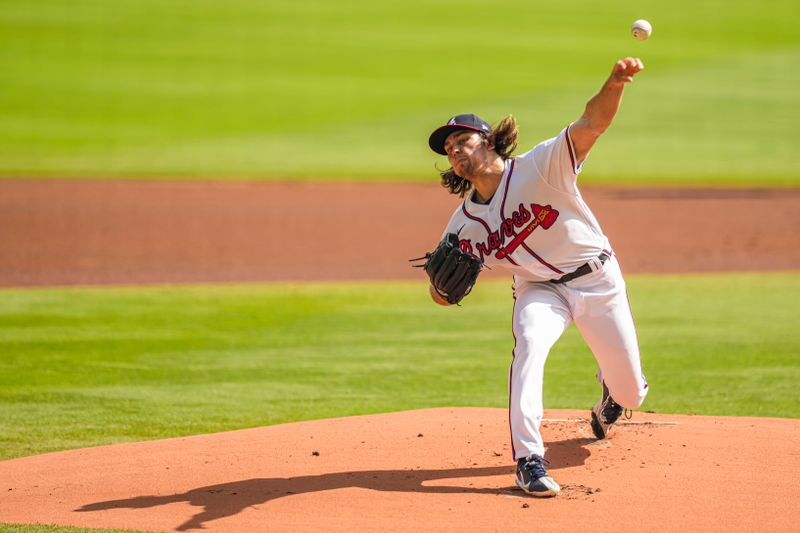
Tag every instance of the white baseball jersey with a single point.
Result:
(537, 224)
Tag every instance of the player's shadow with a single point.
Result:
(228, 499)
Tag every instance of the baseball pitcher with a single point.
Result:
(526, 214)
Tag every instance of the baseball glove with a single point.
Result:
(453, 273)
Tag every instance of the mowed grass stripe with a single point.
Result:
(52, 528)
(310, 90)
(82, 367)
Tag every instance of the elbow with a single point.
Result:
(592, 126)
(600, 128)
(595, 125)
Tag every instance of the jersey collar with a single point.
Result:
(472, 204)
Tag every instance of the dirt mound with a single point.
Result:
(434, 469)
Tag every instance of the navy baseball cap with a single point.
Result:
(458, 122)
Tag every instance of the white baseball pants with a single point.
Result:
(598, 304)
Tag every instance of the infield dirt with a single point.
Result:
(427, 470)
(62, 232)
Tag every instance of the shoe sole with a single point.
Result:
(544, 494)
(597, 429)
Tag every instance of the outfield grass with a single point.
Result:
(39, 528)
(350, 89)
(83, 367)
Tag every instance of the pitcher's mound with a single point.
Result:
(432, 469)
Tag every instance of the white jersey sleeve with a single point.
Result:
(556, 162)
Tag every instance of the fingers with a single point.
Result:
(625, 69)
(629, 65)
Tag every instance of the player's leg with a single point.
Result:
(540, 317)
(603, 316)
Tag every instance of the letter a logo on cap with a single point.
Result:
(456, 123)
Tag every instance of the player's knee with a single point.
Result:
(632, 401)
(630, 397)
(531, 347)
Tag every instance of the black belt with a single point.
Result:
(582, 270)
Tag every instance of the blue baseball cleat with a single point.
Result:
(533, 479)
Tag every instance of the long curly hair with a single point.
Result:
(503, 138)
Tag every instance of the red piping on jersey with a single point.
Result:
(473, 217)
(508, 180)
(542, 261)
(571, 151)
(503, 216)
(510, 374)
(485, 226)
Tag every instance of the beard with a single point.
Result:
(464, 167)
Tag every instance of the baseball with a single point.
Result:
(641, 30)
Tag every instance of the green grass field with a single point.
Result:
(247, 89)
(83, 367)
(351, 89)
(21, 528)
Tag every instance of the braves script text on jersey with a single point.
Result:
(538, 226)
